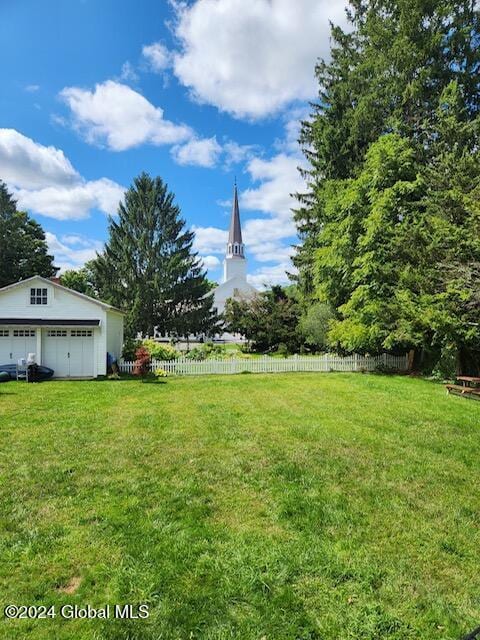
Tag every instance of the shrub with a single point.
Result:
(446, 366)
(130, 347)
(207, 351)
(315, 324)
(160, 350)
(282, 350)
(160, 373)
(142, 362)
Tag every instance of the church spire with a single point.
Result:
(235, 246)
(235, 264)
(235, 232)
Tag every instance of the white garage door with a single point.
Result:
(16, 344)
(69, 352)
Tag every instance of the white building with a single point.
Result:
(68, 331)
(234, 283)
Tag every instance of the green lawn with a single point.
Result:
(274, 507)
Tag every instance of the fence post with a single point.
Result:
(267, 364)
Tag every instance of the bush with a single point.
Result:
(160, 373)
(315, 324)
(282, 350)
(130, 347)
(142, 362)
(446, 366)
(160, 350)
(206, 351)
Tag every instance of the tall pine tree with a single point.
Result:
(389, 223)
(23, 247)
(386, 73)
(148, 266)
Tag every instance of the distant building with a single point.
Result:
(234, 283)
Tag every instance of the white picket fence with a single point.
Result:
(267, 364)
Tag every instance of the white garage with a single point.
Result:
(69, 352)
(14, 343)
(69, 332)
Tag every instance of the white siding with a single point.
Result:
(237, 288)
(15, 303)
(100, 346)
(66, 305)
(114, 333)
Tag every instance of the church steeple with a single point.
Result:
(235, 246)
(235, 264)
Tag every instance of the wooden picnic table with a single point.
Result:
(468, 381)
(469, 386)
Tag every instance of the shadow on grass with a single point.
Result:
(128, 377)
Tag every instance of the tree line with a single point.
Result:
(389, 252)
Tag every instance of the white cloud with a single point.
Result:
(210, 262)
(199, 152)
(253, 57)
(209, 239)
(68, 257)
(236, 153)
(158, 56)
(26, 163)
(128, 73)
(44, 181)
(76, 240)
(119, 117)
(32, 88)
(74, 202)
(272, 228)
(269, 275)
(292, 124)
(265, 251)
(279, 177)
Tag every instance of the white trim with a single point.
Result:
(104, 305)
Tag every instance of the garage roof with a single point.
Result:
(41, 322)
(104, 305)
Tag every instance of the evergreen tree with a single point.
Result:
(389, 225)
(23, 247)
(148, 267)
(453, 205)
(386, 73)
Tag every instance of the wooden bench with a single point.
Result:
(470, 392)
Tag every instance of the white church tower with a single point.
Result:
(235, 263)
(234, 284)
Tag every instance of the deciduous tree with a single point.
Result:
(23, 247)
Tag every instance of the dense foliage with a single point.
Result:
(208, 350)
(268, 320)
(390, 223)
(81, 280)
(160, 350)
(23, 247)
(148, 266)
(142, 362)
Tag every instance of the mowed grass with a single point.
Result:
(297, 506)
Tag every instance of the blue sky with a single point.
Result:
(96, 91)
